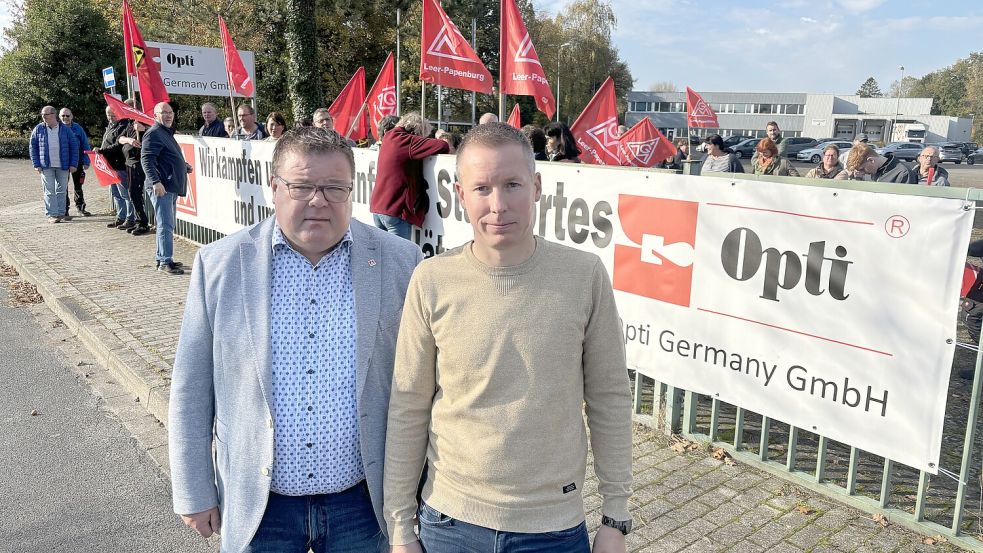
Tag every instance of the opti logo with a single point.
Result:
(522, 54)
(445, 44)
(662, 268)
(642, 151)
(189, 203)
(606, 135)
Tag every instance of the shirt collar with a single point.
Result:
(280, 241)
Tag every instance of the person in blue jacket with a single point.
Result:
(78, 173)
(54, 152)
(167, 177)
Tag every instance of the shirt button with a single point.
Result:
(310, 334)
(309, 444)
(310, 371)
(310, 475)
(310, 407)
(266, 471)
(313, 301)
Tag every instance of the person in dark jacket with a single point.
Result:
(560, 143)
(54, 152)
(78, 173)
(399, 199)
(537, 139)
(213, 125)
(132, 147)
(167, 174)
(112, 150)
(864, 163)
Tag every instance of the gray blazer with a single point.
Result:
(221, 384)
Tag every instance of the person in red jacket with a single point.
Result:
(399, 198)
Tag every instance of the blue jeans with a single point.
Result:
(342, 522)
(440, 533)
(55, 184)
(393, 225)
(165, 211)
(121, 199)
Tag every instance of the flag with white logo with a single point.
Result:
(698, 112)
(596, 130)
(349, 119)
(644, 146)
(139, 63)
(382, 96)
(239, 79)
(520, 72)
(447, 59)
(107, 175)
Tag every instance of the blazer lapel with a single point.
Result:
(366, 279)
(256, 273)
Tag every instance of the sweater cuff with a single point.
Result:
(402, 533)
(616, 508)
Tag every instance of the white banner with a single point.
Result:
(195, 70)
(831, 310)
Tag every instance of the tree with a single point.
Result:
(303, 67)
(869, 89)
(663, 86)
(902, 89)
(50, 61)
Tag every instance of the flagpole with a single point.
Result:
(501, 48)
(355, 120)
(474, 95)
(398, 82)
(423, 100)
(440, 106)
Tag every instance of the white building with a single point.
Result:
(798, 114)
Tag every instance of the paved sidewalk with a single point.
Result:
(102, 283)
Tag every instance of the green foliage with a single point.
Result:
(870, 89)
(957, 91)
(15, 147)
(58, 50)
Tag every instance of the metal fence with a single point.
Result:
(950, 504)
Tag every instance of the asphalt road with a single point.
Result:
(73, 479)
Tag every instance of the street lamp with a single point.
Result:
(897, 108)
(559, 55)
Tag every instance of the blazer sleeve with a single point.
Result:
(192, 405)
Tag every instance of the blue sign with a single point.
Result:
(108, 77)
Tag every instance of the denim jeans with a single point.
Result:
(440, 533)
(121, 198)
(165, 212)
(342, 522)
(393, 225)
(55, 184)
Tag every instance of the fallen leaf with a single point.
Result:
(804, 509)
(880, 519)
(729, 461)
(934, 540)
(678, 447)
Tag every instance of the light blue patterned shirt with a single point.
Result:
(315, 416)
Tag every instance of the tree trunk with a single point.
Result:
(303, 70)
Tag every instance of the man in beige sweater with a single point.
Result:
(503, 342)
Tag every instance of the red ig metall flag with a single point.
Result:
(138, 62)
(644, 146)
(124, 111)
(239, 79)
(106, 175)
(698, 112)
(349, 119)
(596, 130)
(382, 96)
(515, 118)
(447, 59)
(521, 73)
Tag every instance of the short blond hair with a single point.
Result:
(858, 155)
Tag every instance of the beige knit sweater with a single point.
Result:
(494, 367)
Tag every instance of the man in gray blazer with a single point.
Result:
(285, 363)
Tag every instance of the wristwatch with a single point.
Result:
(623, 526)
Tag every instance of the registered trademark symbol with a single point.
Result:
(897, 226)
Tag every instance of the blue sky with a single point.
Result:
(784, 45)
(829, 46)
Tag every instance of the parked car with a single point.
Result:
(734, 140)
(745, 148)
(907, 151)
(796, 144)
(975, 156)
(950, 151)
(970, 149)
(815, 154)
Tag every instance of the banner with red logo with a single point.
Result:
(515, 118)
(771, 296)
(698, 112)
(105, 174)
(349, 118)
(644, 146)
(382, 96)
(124, 111)
(138, 62)
(596, 130)
(239, 79)
(520, 72)
(446, 58)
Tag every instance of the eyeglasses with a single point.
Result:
(303, 192)
(928, 157)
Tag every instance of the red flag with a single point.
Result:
(124, 111)
(515, 118)
(644, 146)
(445, 57)
(698, 112)
(152, 89)
(382, 97)
(238, 76)
(348, 106)
(107, 175)
(596, 130)
(520, 72)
